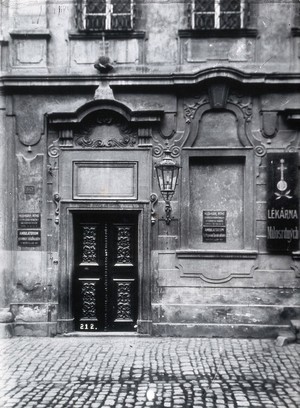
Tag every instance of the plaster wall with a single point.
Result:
(44, 38)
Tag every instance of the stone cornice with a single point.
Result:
(132, 79)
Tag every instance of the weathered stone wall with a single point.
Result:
(47, 67)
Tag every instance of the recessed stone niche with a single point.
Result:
(217, 186)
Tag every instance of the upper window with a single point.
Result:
(218, 14)
(100, 15)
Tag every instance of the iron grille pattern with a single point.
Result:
(101, 15)
(124, 245)
(124, 301)
(89, 245)
(88, 292)
(215, 14)
(230, 14)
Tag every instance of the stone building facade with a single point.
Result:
(98, 97)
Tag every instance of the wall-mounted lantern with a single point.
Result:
(167, 175)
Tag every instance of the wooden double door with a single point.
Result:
(105, 281)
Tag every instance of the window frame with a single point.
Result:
(108, 17)
(217, 15)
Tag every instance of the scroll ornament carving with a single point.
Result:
(53, 150)
(124, 301)
(244, 103)
(291, 149)
(260, 150)
(190, 110)
(158, 150)
(128, 136)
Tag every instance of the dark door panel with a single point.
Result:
(105, 286)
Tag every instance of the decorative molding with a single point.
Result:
(158, 150)
(243, 102)
(54, 150)
(153, 201)
(128, 135)
(291, 149)
(28, 289)
(56, 200)
(191, 78)
(209, 254)
(217, 281)
(218, 94)
(239, 104)
(145, 136)
(260, 150)
(190, 110)
(65, 137)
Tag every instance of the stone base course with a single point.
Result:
(148, 372)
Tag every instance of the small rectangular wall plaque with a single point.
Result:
(214, 226)
(283, 202)
(29, 190)
(29, 220)
(29, 238)
(105, 180)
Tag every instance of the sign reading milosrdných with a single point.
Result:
(283, 203)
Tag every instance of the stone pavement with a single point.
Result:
(93, 372)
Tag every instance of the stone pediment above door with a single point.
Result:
(105, 129)
(103, 124)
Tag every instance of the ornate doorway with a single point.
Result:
(105, 277)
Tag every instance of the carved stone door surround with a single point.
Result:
(81, 137)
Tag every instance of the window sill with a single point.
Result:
(108, 35)
(217, 254)
(30, 34)
(218, 33)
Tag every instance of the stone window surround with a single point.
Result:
(217, 13)
(81, 18)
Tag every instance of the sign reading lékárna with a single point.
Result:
(282, 203)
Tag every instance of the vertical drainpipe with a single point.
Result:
(5, 252)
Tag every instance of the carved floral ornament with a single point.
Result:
(105, 123)
(86, 137)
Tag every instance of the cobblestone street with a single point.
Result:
(148, 372)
